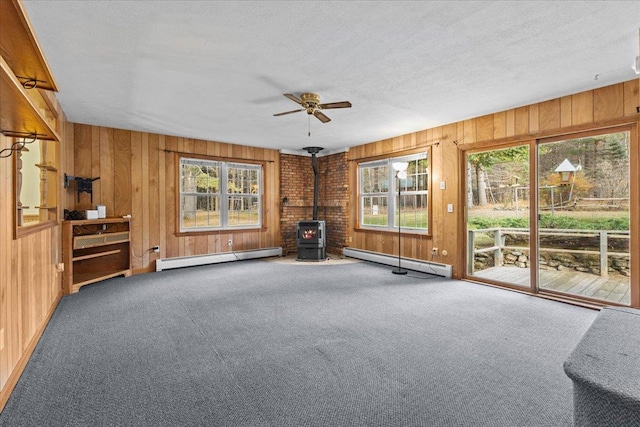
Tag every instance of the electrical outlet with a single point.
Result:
(229, 242)
(434, 251)
(156, 249)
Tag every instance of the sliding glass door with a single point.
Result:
(498, 193)
(583, 216)
(579, 191)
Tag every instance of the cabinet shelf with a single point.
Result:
(47, 167)
(95, 250)
(19, 45)
(96, 255)
(19, 116)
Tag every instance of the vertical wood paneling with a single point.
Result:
(163, 226)
(499, 125)
(172, 244)
(469, 132)
(582, 108)
(521, 121)
(438, 174)
(631, 97)
(484, 128)
(449, 239)
(30, 285)
(153, 209)
(82, 160)
(608, 103)
(511, 122)
(121, 170)
(6, 234)
(534, 118)
(146, 200)
(565, 111)
(107, 176)
(137, 210)
(88, 200)
(549, 115)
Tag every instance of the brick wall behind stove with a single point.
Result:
(334, 199)
(296, 184)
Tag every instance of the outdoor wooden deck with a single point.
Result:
(613, 289)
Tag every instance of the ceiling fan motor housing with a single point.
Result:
(312, 99)
(310, 102)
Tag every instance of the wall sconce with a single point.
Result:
(636, 65)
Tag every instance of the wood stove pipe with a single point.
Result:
(314, 163)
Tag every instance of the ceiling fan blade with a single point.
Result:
(293, 98)
(341, 104)
(289, 112)
(321, 117)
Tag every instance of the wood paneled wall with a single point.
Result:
(30, 283)
(597, 108)
(137, 173)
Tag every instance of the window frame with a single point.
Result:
(391, 193)
(223, 194)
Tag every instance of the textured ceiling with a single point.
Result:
(216, 70)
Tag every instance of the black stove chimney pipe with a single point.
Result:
(313, 151)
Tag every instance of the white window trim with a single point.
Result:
(223, 194)
(391, 194)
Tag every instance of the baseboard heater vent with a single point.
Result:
(192, 261)
(438, 269)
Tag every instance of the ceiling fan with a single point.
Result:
(310, 103)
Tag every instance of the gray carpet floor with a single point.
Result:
(264, 343)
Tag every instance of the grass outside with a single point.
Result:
(410, 218)
(205, 219)
(617, 220)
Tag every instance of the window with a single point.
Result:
(219, 195)
(379, 194)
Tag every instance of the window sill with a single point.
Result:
(394, 232)
(219, 231)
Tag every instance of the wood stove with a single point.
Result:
(311, 240)
(311, 236)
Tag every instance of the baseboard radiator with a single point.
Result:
(192, 261)
(438, 269)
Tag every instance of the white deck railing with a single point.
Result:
(499, 245)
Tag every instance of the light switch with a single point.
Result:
(450, 207)
(443, 185)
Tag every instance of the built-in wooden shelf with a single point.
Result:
(97, 255)
(20, 47)
(47, 167)
(19, 115)
(95, 250)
